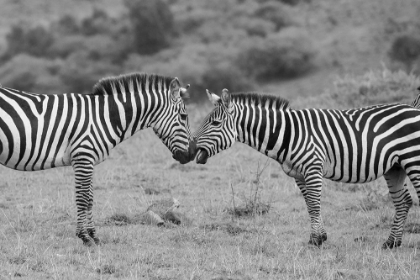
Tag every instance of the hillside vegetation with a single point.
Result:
(292, 48)
(242, 218)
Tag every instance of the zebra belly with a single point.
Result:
(28, 160)
(346, 175)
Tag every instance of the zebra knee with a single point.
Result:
(408, 201)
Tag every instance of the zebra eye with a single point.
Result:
(216, 122)
(184, 116)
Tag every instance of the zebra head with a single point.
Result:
(172, 126)
(218, 131)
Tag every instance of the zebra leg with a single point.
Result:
(313, 179)
(395, 178)
(302, 186)
(90, 224)
(83, 171)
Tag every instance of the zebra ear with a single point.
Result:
(213, 97)
(174, 88)
(226, 98)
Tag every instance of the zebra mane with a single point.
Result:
(110, 84)
(261, 99)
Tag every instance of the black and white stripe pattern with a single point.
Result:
(352, 146)
(416, 102)
(39, 131)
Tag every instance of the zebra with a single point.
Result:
(40, 131)
(416, 101)
(352, 146)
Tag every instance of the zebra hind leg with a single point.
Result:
(83, 174)
(401, 198)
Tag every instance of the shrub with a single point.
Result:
(193, 19)
(289, 2)
(152, 25)
(203, 66)
(287, 54)
(28, 73)
(374, 87)
(66, 25)
(80, 74)
(33, 41)
(274, 12)
(254, 26)
(98, 23)
(406, 50)
(97, 47)
(221, 76)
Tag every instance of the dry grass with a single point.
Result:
(37, 223)
(37, 210)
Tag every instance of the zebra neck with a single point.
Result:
(265, 129)
(129, 113)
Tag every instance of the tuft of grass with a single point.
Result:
(118, 219)
(252, 205)
(106, 269)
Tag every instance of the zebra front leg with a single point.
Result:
(302, 186)
(85, 230)
(313, 180)
(90, 224)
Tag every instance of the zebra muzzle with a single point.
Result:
(202, 156)
(184, 157)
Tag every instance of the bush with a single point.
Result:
(254, 26)
(375, 87)
(202, 66)
(98, 23)
(152, 25)
(221, 76)
(80, 74)
(97, 47)
(28, 73)
(274, 12)
(66, 25)
(287, 54)
(406, 50)
(33, 41)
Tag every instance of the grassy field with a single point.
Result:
(37, 222)
(38, 213)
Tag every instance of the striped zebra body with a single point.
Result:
(351, 146)
(39, 131)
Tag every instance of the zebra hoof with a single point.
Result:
(316, 240)
(391, 244)
(324, 237)
(87, 240)
(96, 240)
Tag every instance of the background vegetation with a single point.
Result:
(242, 218)
(293, 48)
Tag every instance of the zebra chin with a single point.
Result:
(202, 156)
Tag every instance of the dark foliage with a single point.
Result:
(33, 41)
(406, 49)
(279, 56)
(152, 25)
